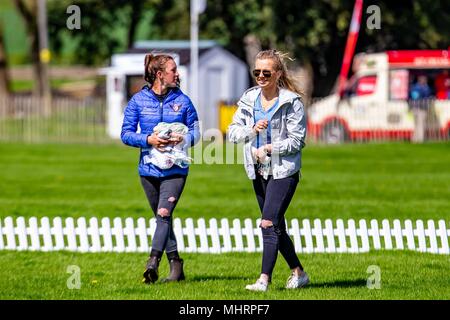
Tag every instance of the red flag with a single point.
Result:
(351, 44)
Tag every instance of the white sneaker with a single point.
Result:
(257, 286)
(295, 282)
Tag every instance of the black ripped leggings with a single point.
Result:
(163, 195)
(273, 198)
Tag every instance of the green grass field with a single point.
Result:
(378, 181)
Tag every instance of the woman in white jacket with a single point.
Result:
(270, 119)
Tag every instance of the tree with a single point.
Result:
(106, 27)
(28, 11)
(4, 76)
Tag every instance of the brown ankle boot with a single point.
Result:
(151, 270)
(176, 271)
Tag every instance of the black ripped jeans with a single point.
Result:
(163, 195)
(273, 198)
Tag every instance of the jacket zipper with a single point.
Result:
(161, 103)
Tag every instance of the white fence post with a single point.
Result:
(9, 232)
(2, 244)
(213, 231)
(364, 234)
(69, 231)
(226, 235)
(152, 228)
(105, 232)
(351, 232)
(117, 232)
(58, 232)
(420, 233)
(329, 234)
(141, 231)
(236, 231)
(248, 233)
(258, 233)
(318, 234)
(190, 232)
(295, 232)
(386, 233)
(397, 232)
(94, 235)
(44, 230)
(201, 232)
(374, 232)
(443, 235)
(130, 235)
(430, 232)
(340, 232)
(81, 231)
(21, 232)
(306, 232)
(409, 233)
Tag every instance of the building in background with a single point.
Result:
(222, 77)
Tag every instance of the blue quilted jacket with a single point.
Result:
(145, 109)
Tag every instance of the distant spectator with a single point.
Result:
(420, 90)
(442, 85)
(420, 94)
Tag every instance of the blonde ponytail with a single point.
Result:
(285, 81)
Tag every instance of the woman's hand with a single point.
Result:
(157, 142)
(176, 138)
(261, 125)
(268, 148)
(262, 152)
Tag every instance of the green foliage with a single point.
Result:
(16, 45)
(105, 27)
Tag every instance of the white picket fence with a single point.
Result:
(135, 236)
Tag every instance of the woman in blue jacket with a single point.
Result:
(160, 101)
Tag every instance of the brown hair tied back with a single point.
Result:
(153, 64)
(279, 58)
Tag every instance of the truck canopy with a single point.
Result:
(420, 59)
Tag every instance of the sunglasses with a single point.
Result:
(265, 73)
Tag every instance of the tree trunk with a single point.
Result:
(136, 12)
(42, 84)
(252, 45)
(5, 88)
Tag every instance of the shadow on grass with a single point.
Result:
(215, 277)
(339, 284)
(356, 283)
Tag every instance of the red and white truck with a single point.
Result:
(376, 104)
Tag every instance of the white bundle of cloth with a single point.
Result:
(263, 164)
(172, 154)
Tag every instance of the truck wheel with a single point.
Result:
(334, 133)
